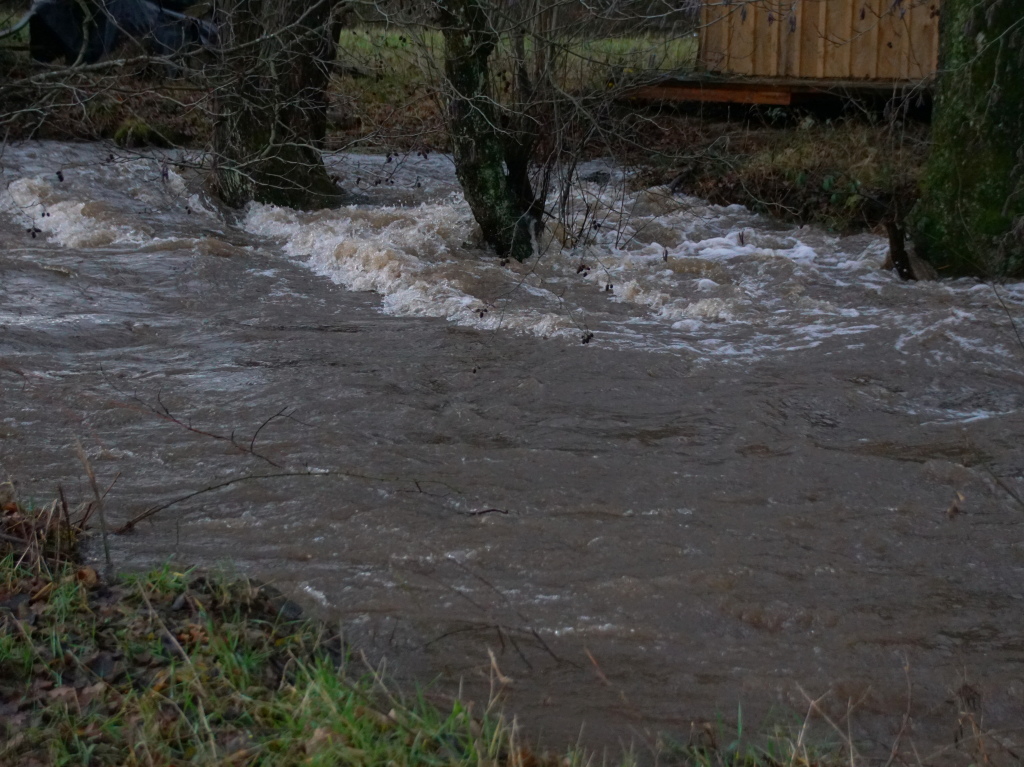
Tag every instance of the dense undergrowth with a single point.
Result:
(849, 173)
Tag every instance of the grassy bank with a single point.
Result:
(176, 667)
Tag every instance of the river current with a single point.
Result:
(772, 473)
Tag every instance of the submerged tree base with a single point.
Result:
(501, 198)
(299, 182)
(275, 67)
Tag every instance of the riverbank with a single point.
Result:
(178, 666)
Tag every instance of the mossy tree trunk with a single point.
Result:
(275, 65)
(491, 160)
(970, 219)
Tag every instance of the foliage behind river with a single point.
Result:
(847, 170)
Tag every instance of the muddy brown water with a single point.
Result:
(643, 539)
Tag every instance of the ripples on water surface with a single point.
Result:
(738, 488)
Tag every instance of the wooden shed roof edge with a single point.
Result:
(779, 91)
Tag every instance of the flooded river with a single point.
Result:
(773, 472)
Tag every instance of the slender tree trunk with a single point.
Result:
(275, 65)
(970, 219)
(492, 174)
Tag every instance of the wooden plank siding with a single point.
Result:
(892, 40)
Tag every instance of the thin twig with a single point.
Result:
(999, 481)
(131, 523)
(99, 507)
(1013, 323)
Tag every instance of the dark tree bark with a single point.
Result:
(491, 160)
(899, 259)
(970, 219)
(275, 64)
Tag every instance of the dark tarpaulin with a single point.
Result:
(60, 29)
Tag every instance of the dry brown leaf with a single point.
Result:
(87, 694)
(88, 577)
(321, 737)
(160, 680)
(63, 692)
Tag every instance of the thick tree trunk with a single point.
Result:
(276, 58)
(492, 176)
(970, 219)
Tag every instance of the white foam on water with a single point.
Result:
(88, 198)
(413, 257)
(71, 223)
(717, 282)
(641, 269)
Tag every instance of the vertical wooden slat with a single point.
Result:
(809, 39)
(885, 55)
(905, 26)
(713, 37)
(759, 37)
(918, 48)
(892, 44)
(790, 35)
(745, 38)
(864, 36)
(830, 41)
(741, 44)
(874, 37)
(730, 20)
(751, 28)
(838, 37)
(775, 35)
(901, 26)
(796, 39)
(848, 34)
(865, 41)
(824, 49)
(935, 44)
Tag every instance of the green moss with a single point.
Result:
(134, 133)
(971, 216)
(483, 153)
